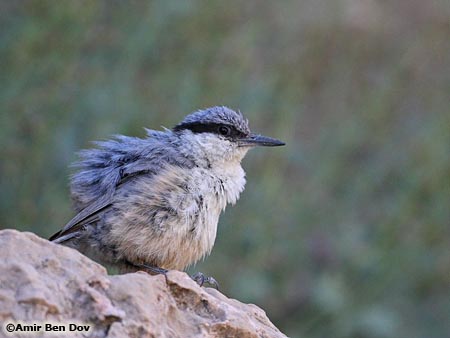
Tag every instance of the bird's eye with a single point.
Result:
(224, 130)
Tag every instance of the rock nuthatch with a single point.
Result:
(153, 204)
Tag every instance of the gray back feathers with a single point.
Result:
(115, 161)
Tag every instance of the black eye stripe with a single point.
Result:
(208, 128)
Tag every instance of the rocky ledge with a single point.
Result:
(45, 287)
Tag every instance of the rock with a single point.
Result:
(42, 283)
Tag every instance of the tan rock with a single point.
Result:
(44, 283)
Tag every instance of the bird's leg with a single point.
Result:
(152, 270)
(198, 277)
(201, 279)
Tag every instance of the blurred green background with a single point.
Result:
(345, 232)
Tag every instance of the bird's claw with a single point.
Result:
(201, 279)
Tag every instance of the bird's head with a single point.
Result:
(222, 133)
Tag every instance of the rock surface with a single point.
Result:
(44, 283)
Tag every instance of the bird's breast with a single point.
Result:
(172, 217)
(213, 190)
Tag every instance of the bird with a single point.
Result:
(154, 203)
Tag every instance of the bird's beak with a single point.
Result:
(258, 140)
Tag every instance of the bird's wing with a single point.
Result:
(93, 211)
(88, 215)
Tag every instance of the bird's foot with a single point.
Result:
(201, 279)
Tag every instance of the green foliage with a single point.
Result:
(343, 233)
